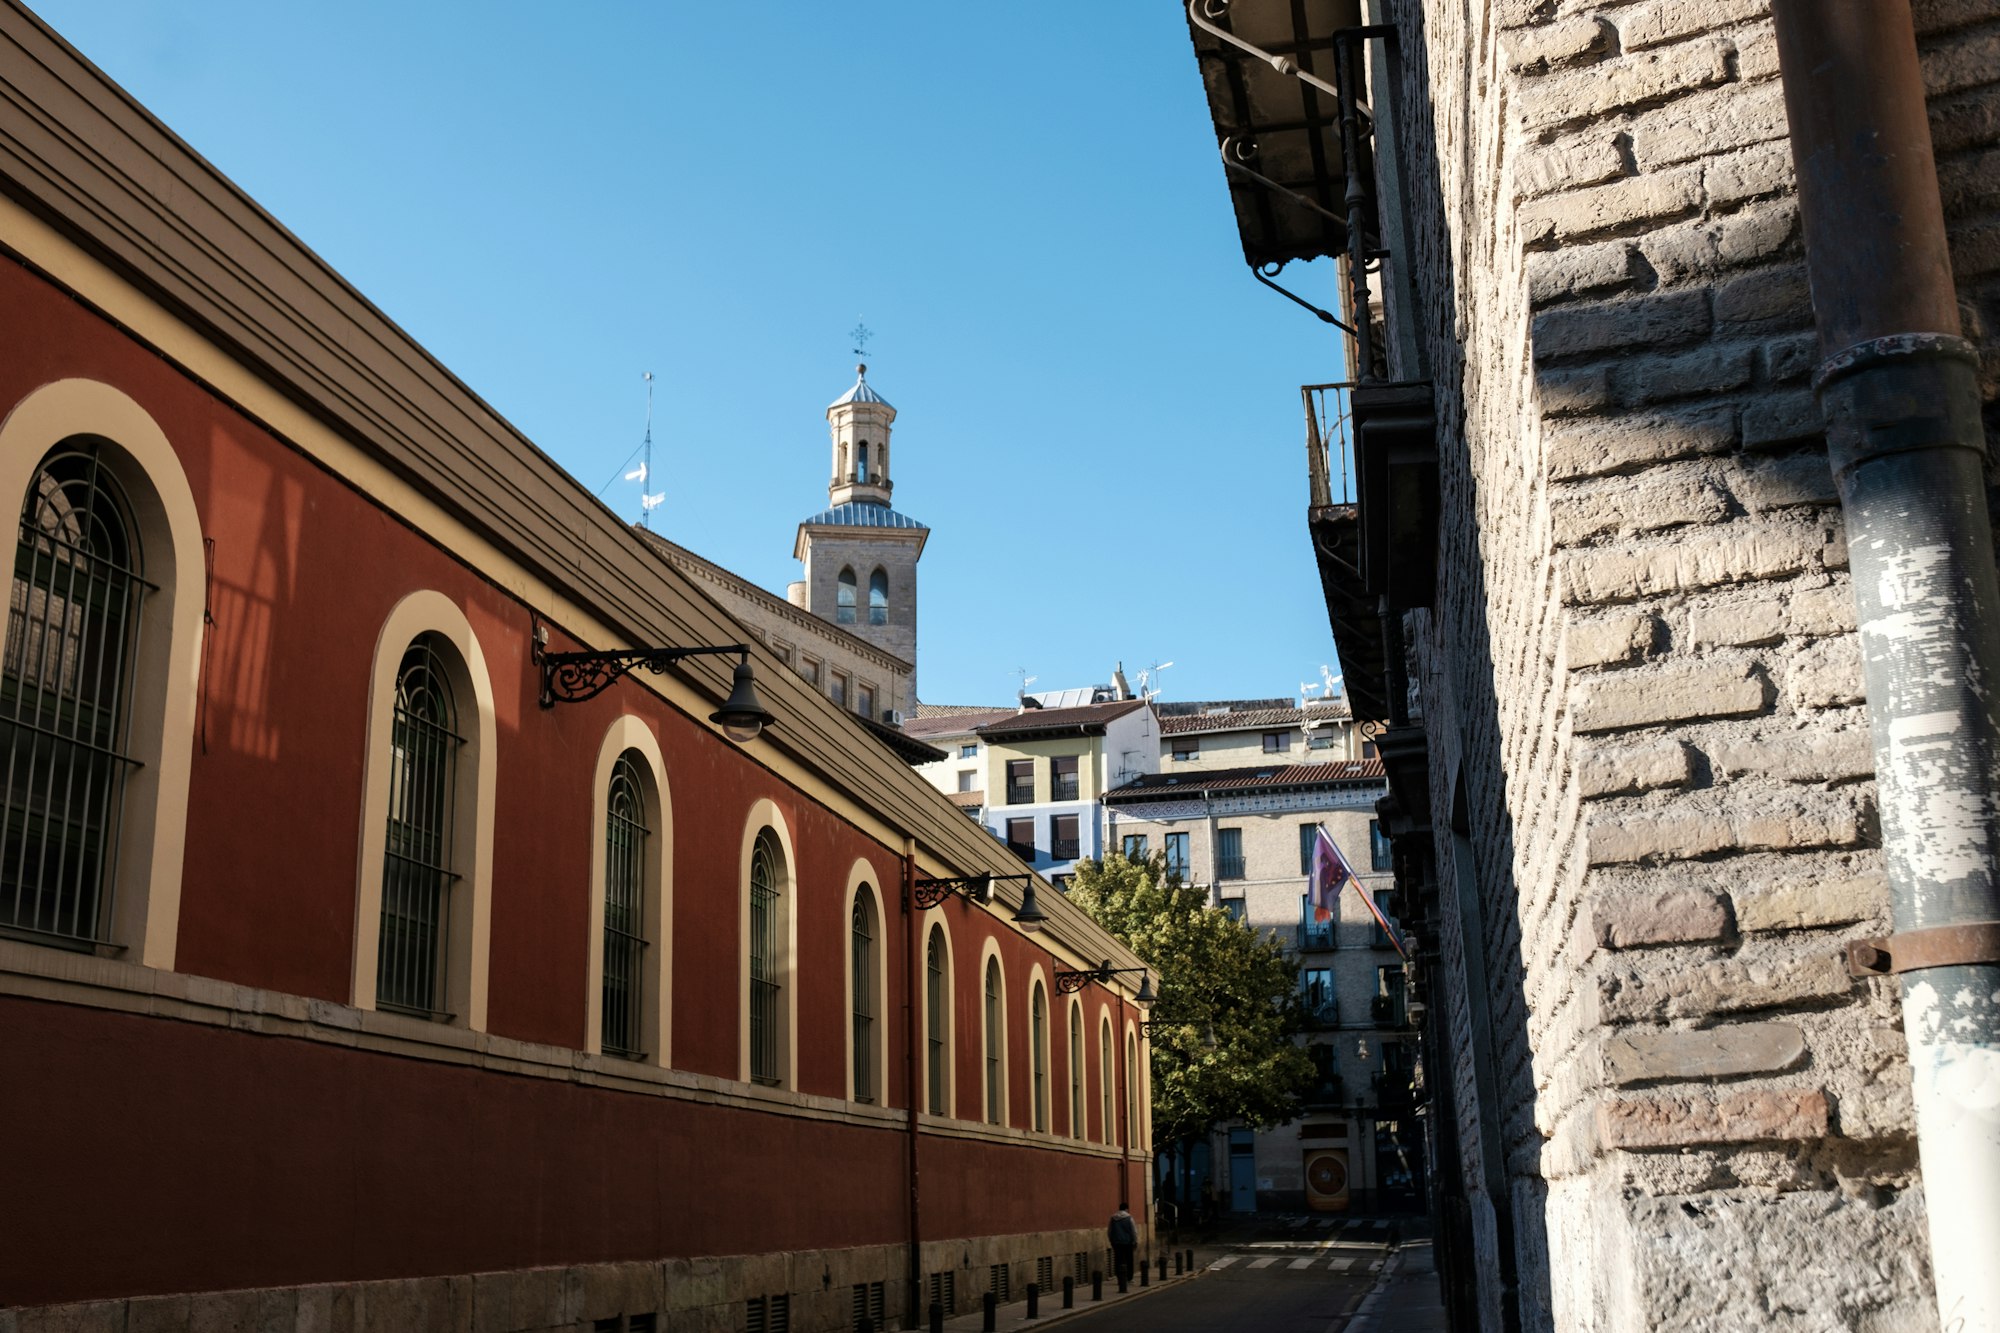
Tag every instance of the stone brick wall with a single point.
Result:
(1640, 681)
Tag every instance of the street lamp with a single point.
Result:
(1029, 916)
(571, 678)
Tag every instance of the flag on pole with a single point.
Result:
(1328, 875)
(1395, 940)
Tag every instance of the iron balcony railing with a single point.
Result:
(1020, 793)
(1316, 935)
(1322, 1015)
(1329, 442)
(1328, 1090)
(1063, 788)
(1229, 867)
(1065, 849)
(1388, 1011)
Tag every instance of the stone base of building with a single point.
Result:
(805, 1291)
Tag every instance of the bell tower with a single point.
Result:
(859, 421)
(860, 554)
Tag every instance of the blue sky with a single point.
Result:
(1099, 413)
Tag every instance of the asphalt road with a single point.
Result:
(1257, 1287)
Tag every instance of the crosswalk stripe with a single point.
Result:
(1297, 1264)
(1225, 1261)
(1265, 1262)
(1342, 1265)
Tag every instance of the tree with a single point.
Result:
(1212, 973)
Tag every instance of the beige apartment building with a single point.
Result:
(1246, 833)
(1236, 733)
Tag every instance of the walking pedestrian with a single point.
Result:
(1124, 1242)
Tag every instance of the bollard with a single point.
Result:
(1069, 1293)
(937, 1317)
(1190, 1259)
(1180, 1265)
(1097, 1284)
(1163, 1268)
(991, 1303)
(1145, 1272)
(1034, 1301)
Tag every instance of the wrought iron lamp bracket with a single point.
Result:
(928, 893)
(571, 678)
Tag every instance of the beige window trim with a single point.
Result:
(166, 672)
(945, 1023)
(630, 733)
(766, 814)
(989, 958)
(428, 611)
(861, 882)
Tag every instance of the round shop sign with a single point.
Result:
(1327, 1174)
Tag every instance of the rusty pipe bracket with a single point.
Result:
(1898, 394)
(1914, 950)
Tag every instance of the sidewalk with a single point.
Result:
(1406, 1298)
(1015, 1315)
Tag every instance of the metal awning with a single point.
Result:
(1275, 125)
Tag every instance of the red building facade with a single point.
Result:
(248, 1062)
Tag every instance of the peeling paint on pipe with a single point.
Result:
(1899, 395)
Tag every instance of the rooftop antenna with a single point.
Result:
(1026, 681)
(1148, 689)
(860, 333)
(647, 503)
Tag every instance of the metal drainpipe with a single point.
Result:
(1898, 392)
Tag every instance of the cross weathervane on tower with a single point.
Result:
(861, 333)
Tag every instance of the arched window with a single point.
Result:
(765, 961)
(1076, 1049)
(419, 866)
(622, 1027)
(843, 598)
(861, 974)
(1131, 1087)
(1107, 1074)
(1038, 1053)
(996, 1045)
(861, 461)
(937, 1020)
(878, 598)
(65, 683)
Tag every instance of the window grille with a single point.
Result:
(1105, 1075)
(995, 1035)
(1045, 1273)
(1063, 841)
(65, 699)
(1038, 1052)
(944, 1290)
(418, 874)
(861, 961)
(878, 598)
(1021, 782)
(625, 944)
(997, 1282)
(764, 960)
(843, 598)
(1076, 1072)
(768, 1314)
(1229, 853)
(1063, 778)
(934, 1037)
(1082, 1270)
(868, 1305)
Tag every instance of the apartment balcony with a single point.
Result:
(1229, 867)
(1064, 788)
(1020, 793)
(1322, 1015)
(1327, 1091)
(1316, 935)
(1389, 1011)
(1394, 1094)
(1065, 849)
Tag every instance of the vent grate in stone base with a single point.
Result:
(768, 1314)
(1045, 1273)
(868, 1305)
(997, 1282)
(944, 1290)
